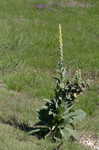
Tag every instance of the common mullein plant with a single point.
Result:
(58, 117)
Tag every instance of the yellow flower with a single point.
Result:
(75, 95)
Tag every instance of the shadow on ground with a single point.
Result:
(39, 130)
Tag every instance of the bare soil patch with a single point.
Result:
(89, 140)
(78, 4)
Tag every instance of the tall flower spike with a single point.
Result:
(61, 60)
(60, 43)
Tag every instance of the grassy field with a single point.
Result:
(28, 62)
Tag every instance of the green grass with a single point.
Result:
(89, 100)
(32, 35)
(28, 80)
(28, 59)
